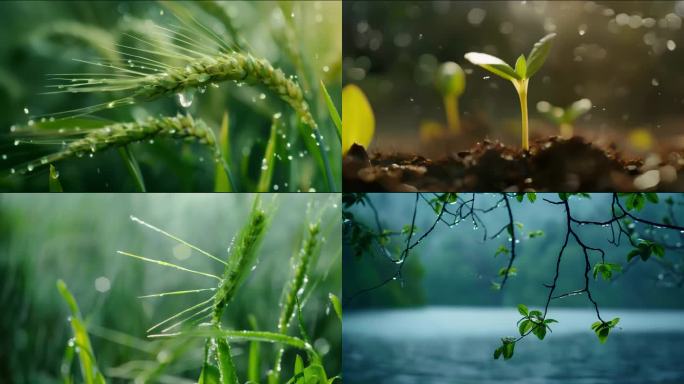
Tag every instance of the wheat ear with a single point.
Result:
(241, 259)
(181, 127)
(302, 262)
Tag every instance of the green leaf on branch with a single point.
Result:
(537, 233)
(539, 331)
(602, 329)
(513, 271)
(522, 309)
(606, 270)
(506, 349)
(502, 250)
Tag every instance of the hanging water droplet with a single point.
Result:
(262, 96)
(29, 167)
(326, 69)
(4, 156)
(185, 98)
(26, 110)
(161, 12)
(17, 142)
(55, 174)
(654, 82)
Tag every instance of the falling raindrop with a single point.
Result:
(582, 29)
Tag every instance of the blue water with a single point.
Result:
(455, 345)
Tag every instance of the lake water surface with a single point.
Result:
(436, 345)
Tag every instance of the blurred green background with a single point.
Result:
(625, 56)
(75, 237)
(44, 37)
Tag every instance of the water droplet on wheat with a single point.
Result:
(185, 98)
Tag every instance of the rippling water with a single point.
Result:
(455, 345)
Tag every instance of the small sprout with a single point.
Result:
(357, 118)
(450, 82)
(564, 118)
(525, 68)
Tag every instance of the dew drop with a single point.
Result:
(671, 45)
(262, 96)
(185, 98)
(4, 156)
(26, 110)
(326, 69)
(29, 167)
(17, 142)
(654, 82)
(13, 171)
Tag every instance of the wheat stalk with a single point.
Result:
(201, 58)
(181, 127)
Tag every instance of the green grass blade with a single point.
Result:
(133, 167)
(53, 181)
(268, 162)
(315, 145)
(65, 369)
(91, 374)
(335, 301)
(254, 366)
(334, 115)
(225, 360)
(221, 179)
(260, 336)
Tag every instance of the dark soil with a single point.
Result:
(552, 164)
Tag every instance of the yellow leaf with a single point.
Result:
(358, 122)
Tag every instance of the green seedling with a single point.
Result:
(564, 118)
(450, 82)
(525, 68)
